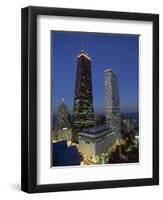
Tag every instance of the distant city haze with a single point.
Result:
(118, 52)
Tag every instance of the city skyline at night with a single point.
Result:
(119, 52)
(95, 88)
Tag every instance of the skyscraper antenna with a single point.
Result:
(63, 100)
(86, 52)
(82, 47)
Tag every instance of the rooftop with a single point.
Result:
(108, 70)
(85, 55)
(95, 130)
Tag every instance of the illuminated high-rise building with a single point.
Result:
(62, 117)
(83, 111)
(112, 101)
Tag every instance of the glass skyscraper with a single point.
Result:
(83, 111)
(62, 117)
(112, 101)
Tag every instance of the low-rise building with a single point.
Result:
(96, 140)
(128, 124)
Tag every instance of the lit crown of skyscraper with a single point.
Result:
(82, 52)
(109, 70)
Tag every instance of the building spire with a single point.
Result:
(82, 47)
(63, 100)
(83, 51)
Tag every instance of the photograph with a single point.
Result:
(90, 99)
(94, 98)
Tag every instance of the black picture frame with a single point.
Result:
(29, 99)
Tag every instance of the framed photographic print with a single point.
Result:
(90, 99)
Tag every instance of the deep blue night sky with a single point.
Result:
(118, 52)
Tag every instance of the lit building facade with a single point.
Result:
(128, 124)
(96, 141)
(83, 111)
(112, 101)
(65, 134)
(62, 117)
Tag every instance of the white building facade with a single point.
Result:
(96, 141)
(112, 106)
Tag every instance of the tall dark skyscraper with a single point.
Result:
(83, 110)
